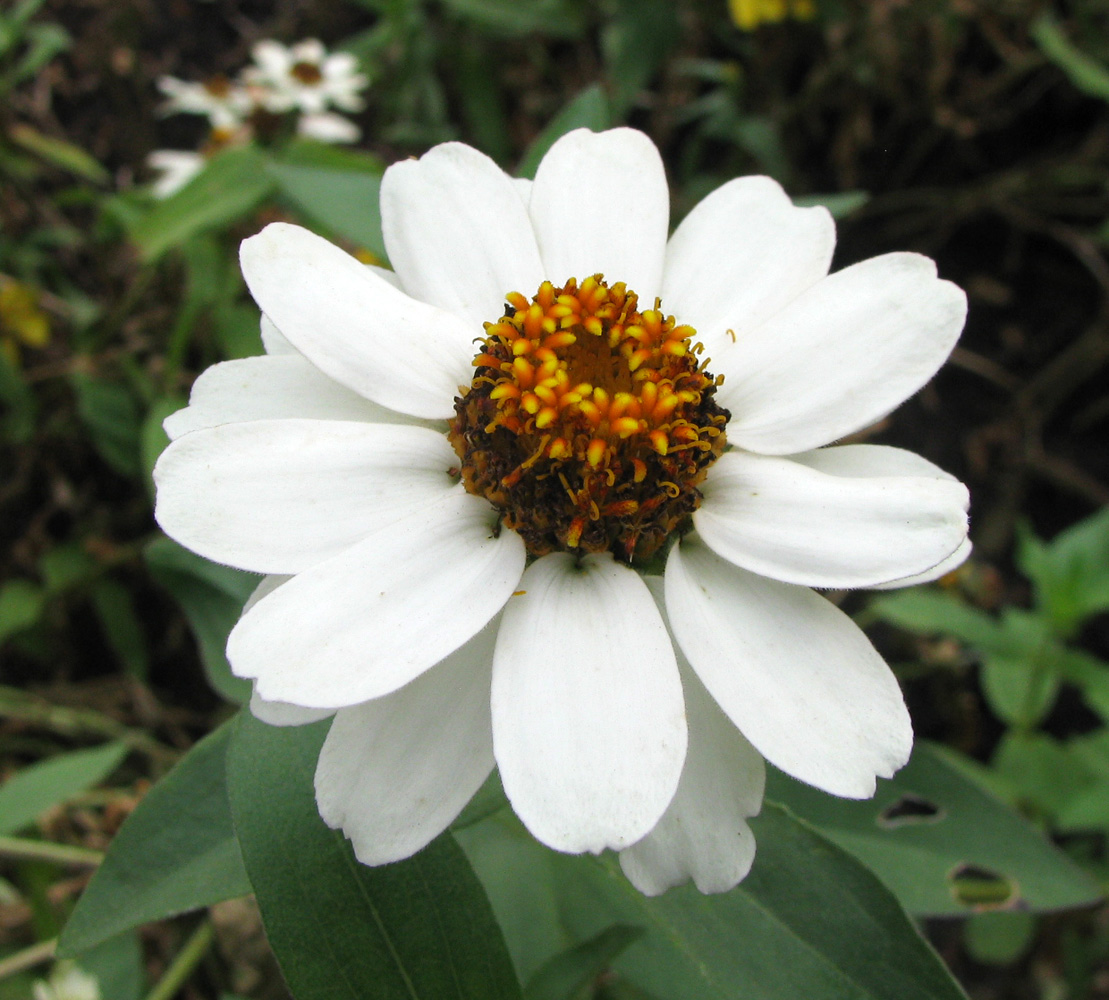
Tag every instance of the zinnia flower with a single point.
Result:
(463, 479)
(305, 77)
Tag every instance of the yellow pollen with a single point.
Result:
(589, 423)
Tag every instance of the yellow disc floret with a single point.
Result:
(589, 423)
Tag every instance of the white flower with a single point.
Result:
(453, 580)
(176, 167)
(67, 982)
(225, 103)
(305, 77)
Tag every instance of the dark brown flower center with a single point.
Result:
(308, 73)
(589, 423)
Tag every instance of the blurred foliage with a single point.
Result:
(970, 130)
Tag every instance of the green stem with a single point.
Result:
(182, 966)
(28, 958)
(44, 850)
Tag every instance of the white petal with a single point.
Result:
(703, 835)
(741, 255)
(273, 340)
(277, 496)
(523, 189)
(882, 460)
(600, 204)
(867, 460)
(588, 723)
(285, 385)
(942, 568)
(457, 232)
(394, 772)
(356, 327)
(840, 356)
(788, 521)
(791, 670)
(325, 126)
(281, 713)
(369, 620)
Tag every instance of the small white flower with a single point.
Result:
(67, 982)
(305, 77)
(459, 547)
(176, 167)
(225, 103)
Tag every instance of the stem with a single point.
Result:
(44, 850)
(28, 958)
(182, 966)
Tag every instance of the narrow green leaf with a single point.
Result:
(840, 205)
(929, 820)
(122, 628)
(1085, 72)
(51, 782)
(212, 598)
(636, 42)
(521, 17)
(18, 423)
(809, 921)
(569, 975)
(59, 152)
(589, 109)
(21, 604)
(344, 201)
(420, 929)
(176, 852)
(110, 413)
(231, 185)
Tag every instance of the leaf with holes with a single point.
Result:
(809, 921)
(941, 843)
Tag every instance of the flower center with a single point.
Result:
(308, 73)
(589, 423)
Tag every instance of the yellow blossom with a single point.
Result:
(749, 14)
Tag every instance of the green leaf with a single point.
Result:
(51, 782)
(636, 42)
(1071, 572)
(116, 609)
(110, 413)
(66, 566)
(999, 938)
(521, 17)
(59, 153)
(1042, 775)
(212, 598)
(346, 202)
(420, 928)
(1020, 675)
(118, 967)
(840, 204)
(589, 109)
(18, 424)
(228, 188)
(21, 604)
(932, 612)
(176, 852)
(569, 975)
(1085, 72)
(237, 330)
(929, 823)
(809, 921)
